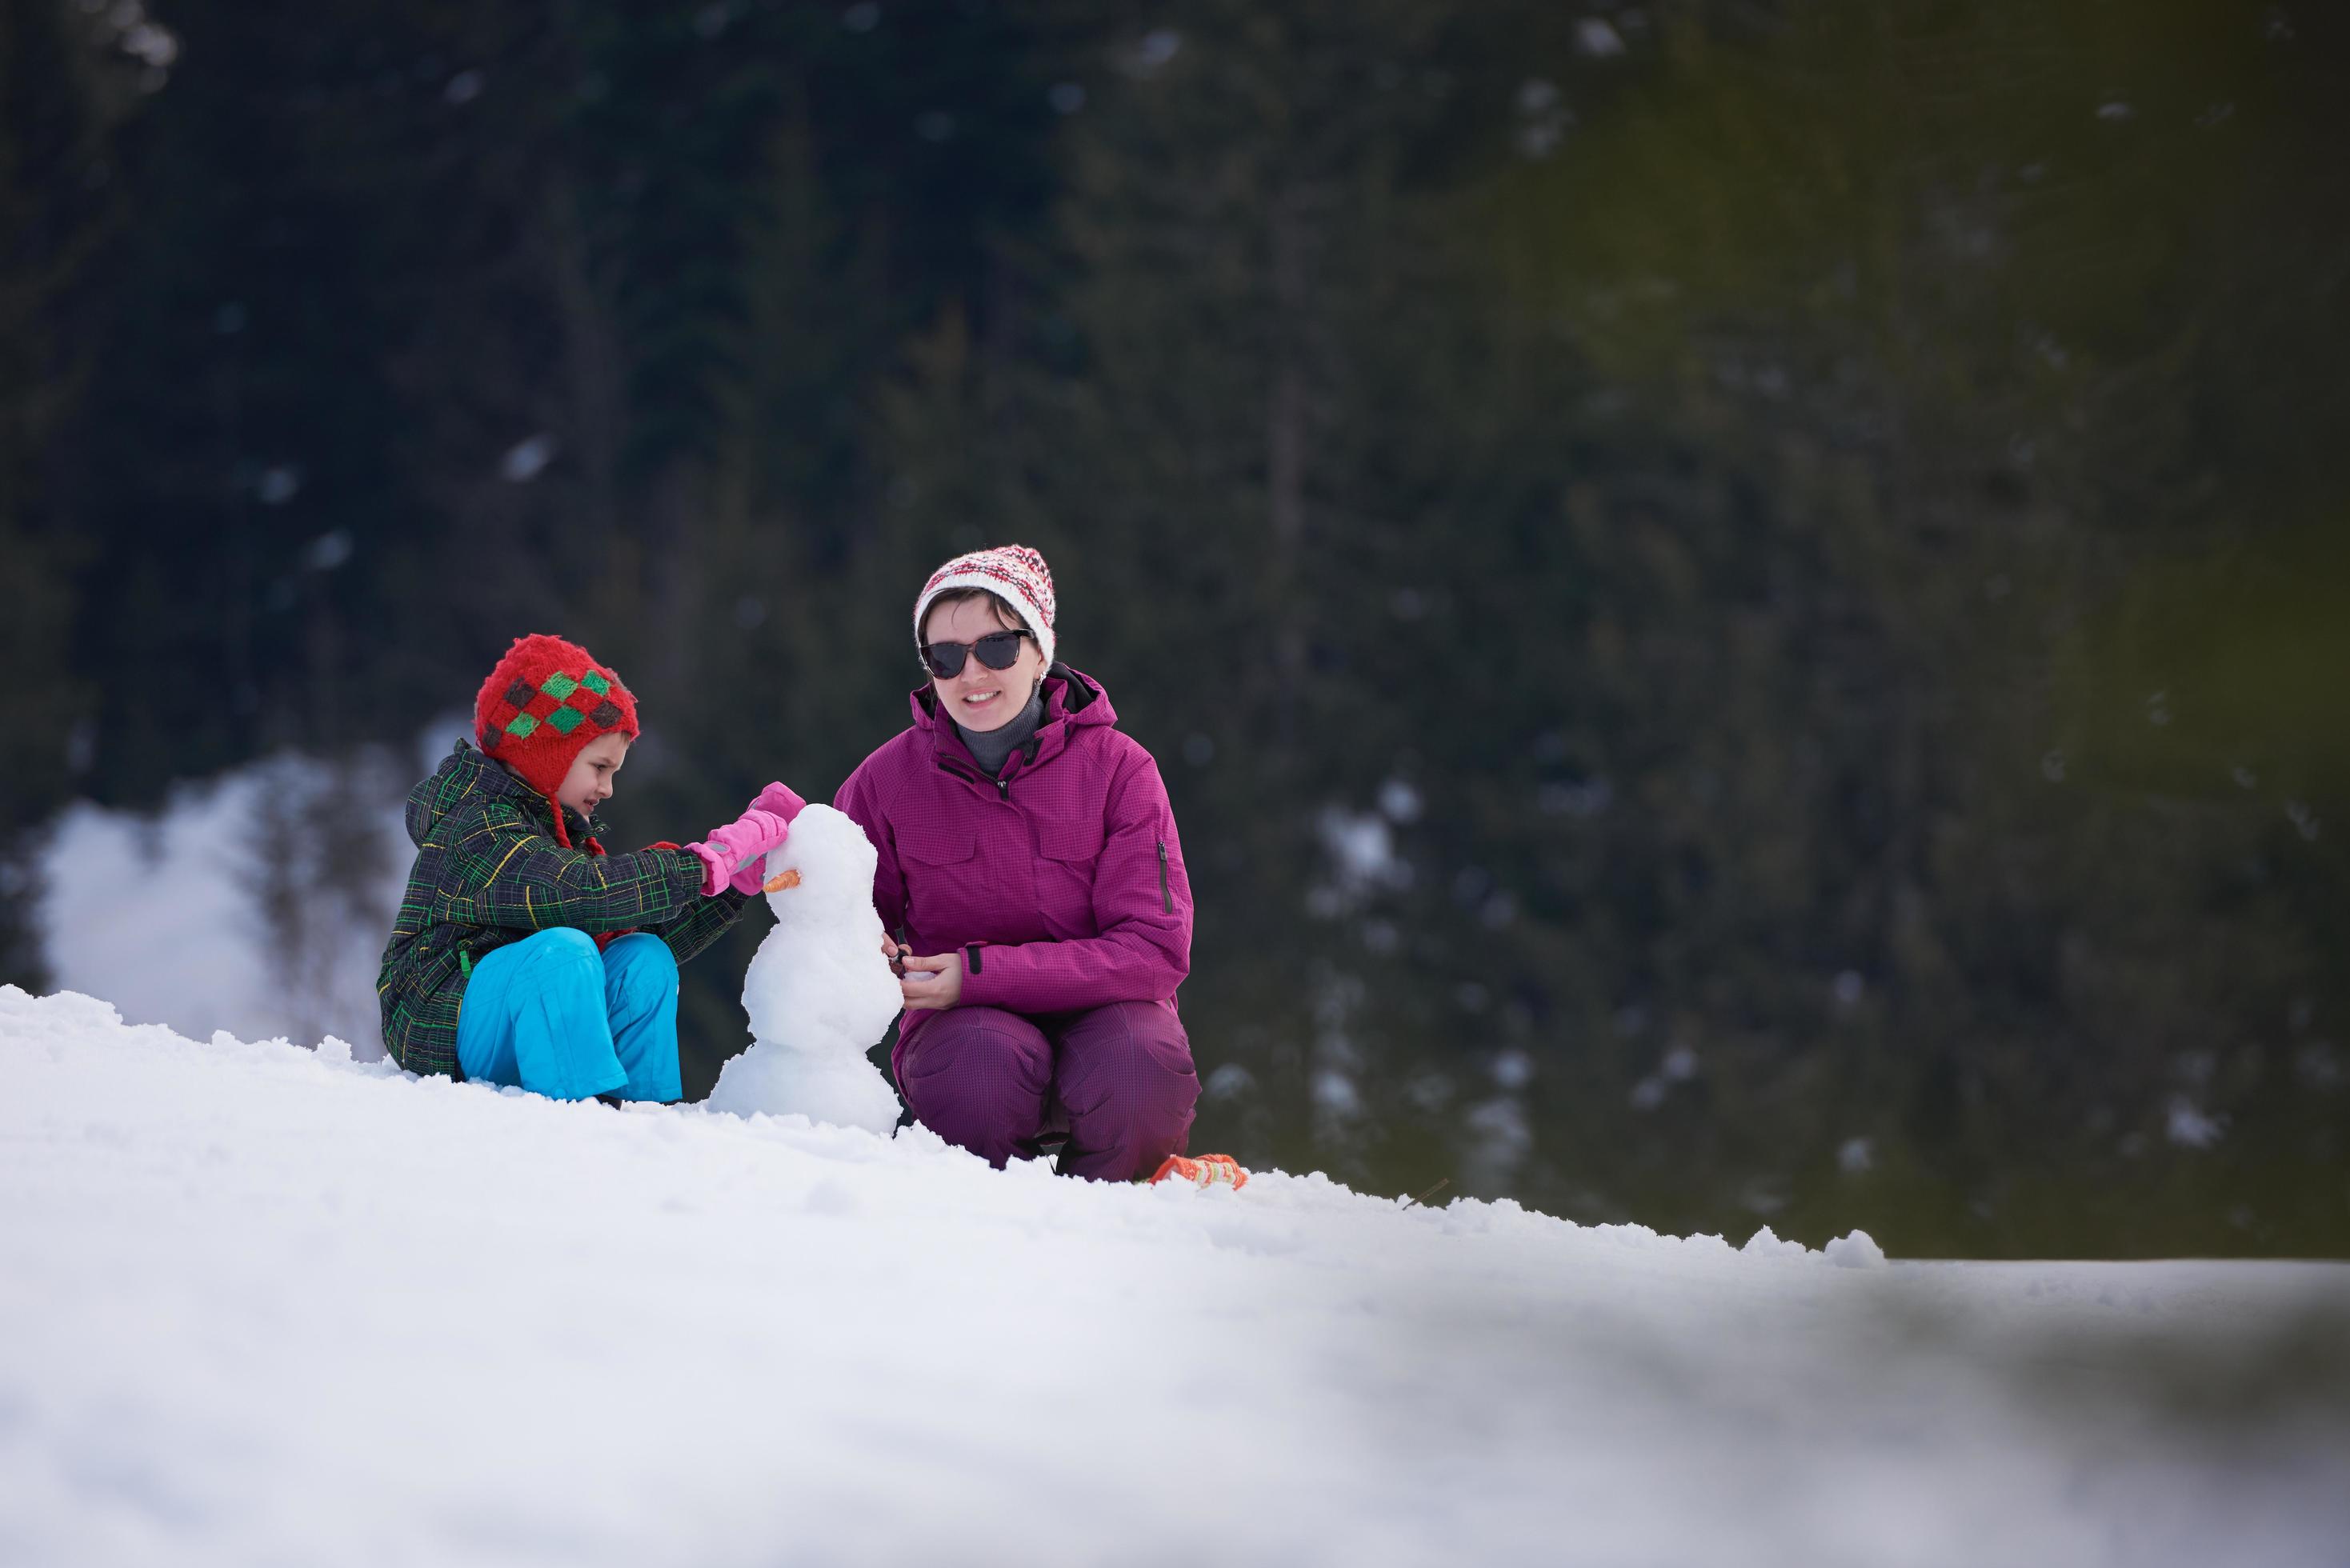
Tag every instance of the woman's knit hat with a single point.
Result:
(543, 704)
(1012, 573)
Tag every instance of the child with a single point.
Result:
(523, 953)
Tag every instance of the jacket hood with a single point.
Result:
(466, 775)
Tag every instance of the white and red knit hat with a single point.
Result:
(1012, 573)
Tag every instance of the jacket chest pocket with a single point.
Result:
(940, 864)
(1070, 841)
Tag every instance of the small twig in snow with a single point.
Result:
(1441, 1182)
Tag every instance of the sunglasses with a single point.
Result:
(997, 650)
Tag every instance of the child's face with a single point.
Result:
(588, 784)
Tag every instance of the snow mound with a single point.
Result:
(262, 1304)
(819, 992)
(1857, 1251)
(242, 920)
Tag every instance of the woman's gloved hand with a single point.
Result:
(738, 849)
(780, 798)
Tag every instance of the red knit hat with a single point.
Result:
(543, 705)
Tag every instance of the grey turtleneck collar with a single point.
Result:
(993, 748)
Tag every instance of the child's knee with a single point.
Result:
(641, 962)
(559, 940)
(551, 953)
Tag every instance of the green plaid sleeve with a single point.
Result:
(694, 929)
(510, 874)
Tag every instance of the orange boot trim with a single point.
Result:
(1203, 1170)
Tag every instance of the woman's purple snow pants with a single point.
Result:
(1117, 1079)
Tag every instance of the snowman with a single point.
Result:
(819, 989)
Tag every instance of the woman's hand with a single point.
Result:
(933, 982)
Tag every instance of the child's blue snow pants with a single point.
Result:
(553, 1016)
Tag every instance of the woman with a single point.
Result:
(1029, 857)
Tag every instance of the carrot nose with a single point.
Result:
(781, 880)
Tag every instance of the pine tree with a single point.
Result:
(68, 81)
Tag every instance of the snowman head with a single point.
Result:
(835, 863)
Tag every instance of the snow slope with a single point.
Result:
(261, 1305)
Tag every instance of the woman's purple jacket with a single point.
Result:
(1061, 881)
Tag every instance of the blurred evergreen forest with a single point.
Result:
(1746, 602)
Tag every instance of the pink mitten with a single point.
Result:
(741, 843)
(751, 876)
(780, 798)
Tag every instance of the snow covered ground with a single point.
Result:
(263, 1306)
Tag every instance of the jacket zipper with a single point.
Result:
(1003, 785)
(1166, 893)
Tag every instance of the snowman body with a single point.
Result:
(819, 992)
